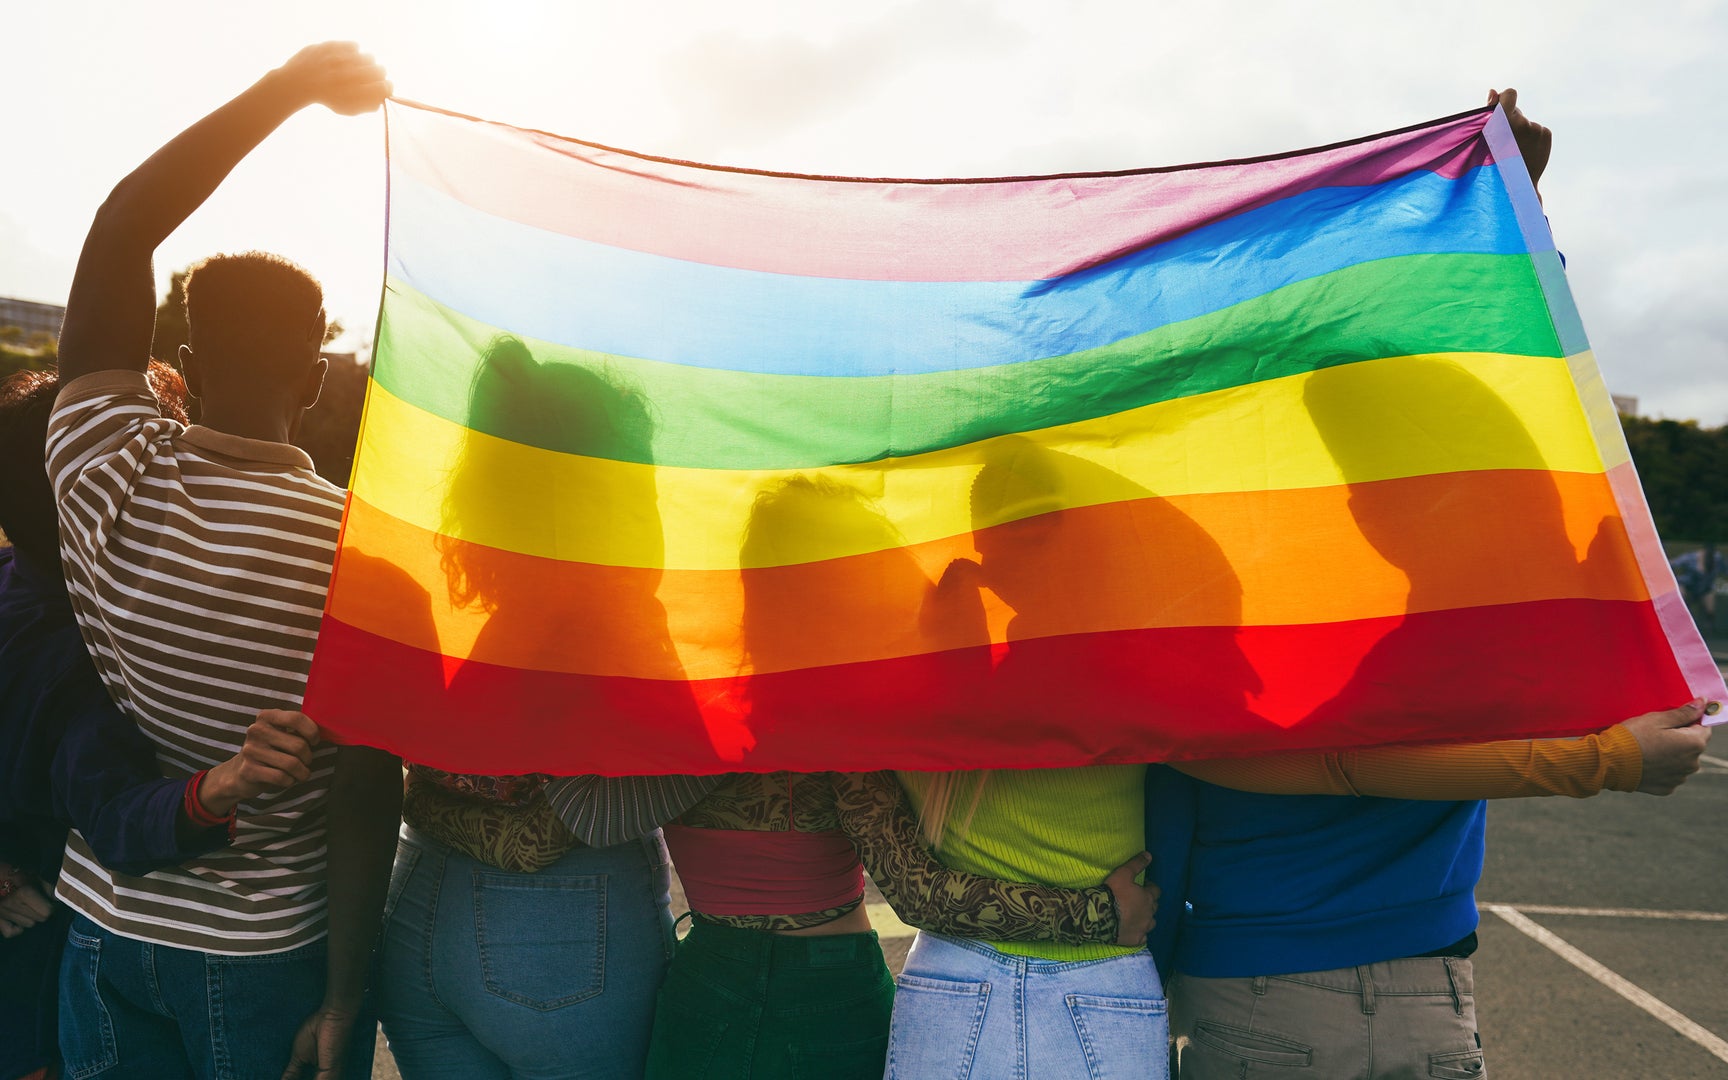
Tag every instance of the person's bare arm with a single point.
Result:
(363, 814)
(110, 314)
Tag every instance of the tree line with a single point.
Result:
(328, 432)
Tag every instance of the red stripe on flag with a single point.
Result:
(1567, 667)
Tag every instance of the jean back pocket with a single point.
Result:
(684, 1043)
(86, 1030)
(407, 858)
(859, 1059)
(934, 1033)
(540, 938)
(1122, 1037)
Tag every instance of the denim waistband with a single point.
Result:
(762, 946)
(1024, 965)
(630, 854)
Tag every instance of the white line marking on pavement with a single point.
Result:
(1615, 912)
(1699, 1034)
(1720, 763)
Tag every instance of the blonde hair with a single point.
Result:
(945, 794)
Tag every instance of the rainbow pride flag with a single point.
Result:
(675, 468)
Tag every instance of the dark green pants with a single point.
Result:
(748, 1005)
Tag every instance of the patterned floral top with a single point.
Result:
(872, 811)
(502, 821)
(508, 790)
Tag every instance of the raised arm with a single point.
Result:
(876, 815)
(111, 311)
(1653, 753)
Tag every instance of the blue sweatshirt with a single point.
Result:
(1278, 884)
(68, 756)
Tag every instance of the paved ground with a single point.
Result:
(1605, 939)
(1646, 882)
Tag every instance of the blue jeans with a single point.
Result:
(486, 973)
(129, 1008)
(964, 1011)
(30, 997)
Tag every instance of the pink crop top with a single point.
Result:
(745, 872)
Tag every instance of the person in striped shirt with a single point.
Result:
(196, 559)
(69, 757)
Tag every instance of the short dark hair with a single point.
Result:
(27, 512)
(252, 303)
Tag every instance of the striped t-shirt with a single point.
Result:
(197, 563)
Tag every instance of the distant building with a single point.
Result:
(32, 317)
(1625, 404)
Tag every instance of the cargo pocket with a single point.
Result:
(934, 1033)
(86, 1031)
(1457, 1065)
(540, 938)
(1122, 1037)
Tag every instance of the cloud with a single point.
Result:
(933, 88)
(745, 90)
(1672, 352)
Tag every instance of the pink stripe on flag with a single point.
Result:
(1026, 229)
(1516, 176)
(1690, 653)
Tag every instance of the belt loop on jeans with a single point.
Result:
(1259, 986)
(1367, 982)
(1452, 978)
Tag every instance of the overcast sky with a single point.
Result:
(1637, 192)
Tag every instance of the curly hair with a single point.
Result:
(27, 513)
(559, 406)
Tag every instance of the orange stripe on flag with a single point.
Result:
(1222, 559)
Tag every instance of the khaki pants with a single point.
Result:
(1399, 1020)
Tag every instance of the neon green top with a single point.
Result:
(1066, 827)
